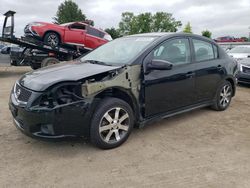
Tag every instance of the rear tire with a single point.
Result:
(111, 123)
(223, 96)
(49, 61)
(52, 39)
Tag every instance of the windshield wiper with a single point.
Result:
(97, 62)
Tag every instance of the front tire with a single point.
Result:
(111, 124)
(223, 96)
(52, 39)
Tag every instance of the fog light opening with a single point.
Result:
(47, 129)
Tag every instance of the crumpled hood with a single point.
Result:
(41, 79)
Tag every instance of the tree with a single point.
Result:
(146, 22)
(114, 33)
(164, 22)
(68, 11)
(206, 33)
(188, 28)
(127, 25)
(244, 38)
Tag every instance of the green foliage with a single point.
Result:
(188, 28)
(68, 11)
(206, 33)
(146, 22)
(114, 33)
(164, 22)
(244, 38)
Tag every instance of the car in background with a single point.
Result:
(240, 52)
(5, 50)
(11, 49)
(103, 94)
(228, 39)
(243, 76)
(1, 46)
(74, 33)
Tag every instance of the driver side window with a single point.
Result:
(176, 51)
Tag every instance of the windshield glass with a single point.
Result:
(65, 24)
(120, 51)
(240, 49)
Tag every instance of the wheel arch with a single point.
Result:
(53, 31)
(123, 94)
(232, 81)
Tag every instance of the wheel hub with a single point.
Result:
(225, 95)
(114, 125)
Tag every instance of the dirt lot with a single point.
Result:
(202, 148)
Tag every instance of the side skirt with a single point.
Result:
(156, 118)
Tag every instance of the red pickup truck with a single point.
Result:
(74, 33)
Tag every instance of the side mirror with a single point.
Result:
(157, 64)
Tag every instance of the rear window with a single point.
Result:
(95, 32)
(203, 50)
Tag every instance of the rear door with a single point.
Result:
(208, 70)
(167, 90)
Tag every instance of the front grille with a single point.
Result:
(246, 69)
(21, 93)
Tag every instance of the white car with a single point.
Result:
(240, 52)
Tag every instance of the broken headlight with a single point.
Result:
(61, 95)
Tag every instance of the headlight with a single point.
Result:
(239, 66)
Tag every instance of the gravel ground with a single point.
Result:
(202, 148)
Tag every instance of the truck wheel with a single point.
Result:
(49, 61)
(35, 66)
(111, 123)
(52, 39)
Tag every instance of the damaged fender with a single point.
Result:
(127, 77)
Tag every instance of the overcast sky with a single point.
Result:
(221, 17)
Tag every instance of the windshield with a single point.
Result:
(120, 51)
(65, 24)
(240, 49)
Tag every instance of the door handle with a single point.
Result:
(190, 74)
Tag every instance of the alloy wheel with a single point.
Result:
(53, 40)
(225, 95)
(114, 125)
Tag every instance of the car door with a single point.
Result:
(208, 70)
(168, 90)
(75, 34)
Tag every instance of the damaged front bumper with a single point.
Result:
(66, 120)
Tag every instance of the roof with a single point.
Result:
(154, 34)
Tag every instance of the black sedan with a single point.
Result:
(128, 82)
